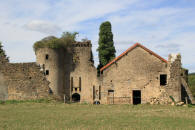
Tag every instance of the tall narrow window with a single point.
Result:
(71, 83)
(46, 56)
(93, 92)
(79, 83)
(163, 79)
(47, 72)
(99, 92)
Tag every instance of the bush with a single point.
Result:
(65, 41)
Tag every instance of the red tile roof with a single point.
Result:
(128, 50)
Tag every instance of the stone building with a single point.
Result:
(136, 76)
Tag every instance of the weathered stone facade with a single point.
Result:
(136, 76)
(22, 81)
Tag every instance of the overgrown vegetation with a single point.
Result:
(2, 53)
(56, 116)
(64, 41)
(191, 82)
(106, 49)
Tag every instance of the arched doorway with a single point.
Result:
(76, 97)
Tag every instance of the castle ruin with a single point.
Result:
(137, 76)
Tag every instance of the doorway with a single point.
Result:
(136, 97)
(76, 97)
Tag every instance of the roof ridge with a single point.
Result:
(129, 49)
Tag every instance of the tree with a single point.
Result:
(106, 49)
(2, 53)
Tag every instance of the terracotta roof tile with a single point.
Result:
(129, 49)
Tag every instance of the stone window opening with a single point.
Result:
(47, 72)
(71, 82)
(79, 83)
(75, 89)
(46, 56)
(163, 79)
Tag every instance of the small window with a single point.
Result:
(47, 72)
(79, 83)
(46, 56)
(75, 89)
(163, 79)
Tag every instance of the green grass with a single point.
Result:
(191, 81)
(31, 115)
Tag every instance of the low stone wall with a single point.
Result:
(24, 81)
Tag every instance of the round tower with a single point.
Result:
(51, 62)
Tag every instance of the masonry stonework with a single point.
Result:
(136, 76)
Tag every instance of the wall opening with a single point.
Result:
(75, 97)
(136, 97)
(185, 95)
(47, 72)
(46, 56)
(163, 79)
(71, 83)
(79, 83)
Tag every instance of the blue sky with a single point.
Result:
(164, 26)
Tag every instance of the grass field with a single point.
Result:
(191, 81)
(82, 116)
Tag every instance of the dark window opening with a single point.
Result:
(99, 92)
(75, 89)
(76, 97)
(136, 97)
(163, 79)
(93, 92)
(79, 83)
(50, 91)
(71, 82)
(46, 56)
(47, 72)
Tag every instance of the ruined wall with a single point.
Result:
(174, 76)
(137, 70)
(84, 75)
(52, 62)
(24, 81)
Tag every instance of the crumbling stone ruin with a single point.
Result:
(137, 76)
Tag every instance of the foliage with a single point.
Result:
(2, 52)
(106, 47)
(40, 116)
(64, 41)
(191, 82)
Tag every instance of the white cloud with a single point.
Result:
(43, 27)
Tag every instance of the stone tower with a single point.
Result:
(52, 63)
(83, 78)
(174, 76)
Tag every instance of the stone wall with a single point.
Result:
(174, 76)
(84, 75)
(136, 70)
(24, 81)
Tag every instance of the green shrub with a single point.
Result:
(64, 41)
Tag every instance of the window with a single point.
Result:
(79, 83)
(47, 72)
(93, 92)
(75, 89)
(163, 79)
(46, 56)
(99, 92)
(71, 83)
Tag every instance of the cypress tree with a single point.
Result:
(106, 49)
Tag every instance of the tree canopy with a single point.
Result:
(106, 49)
(64, 41)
